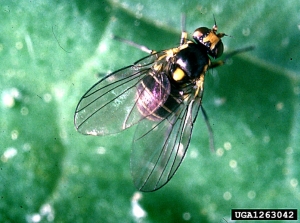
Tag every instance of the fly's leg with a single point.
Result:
(213, 65)
(183, 39)
(210, 130)
(229, 55)
(136, 45)
(130, 43)
(199, 93)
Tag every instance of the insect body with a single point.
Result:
(161, 93)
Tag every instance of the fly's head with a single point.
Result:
(210, 39)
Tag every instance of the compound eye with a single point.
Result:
(218, 50)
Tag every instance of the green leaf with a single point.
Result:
(52, 52)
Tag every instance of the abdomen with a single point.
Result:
(154, 99)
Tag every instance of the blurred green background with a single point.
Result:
(50, 53)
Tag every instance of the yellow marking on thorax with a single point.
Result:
(172, 52)
(178, 74)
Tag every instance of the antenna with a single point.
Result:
(215, 27)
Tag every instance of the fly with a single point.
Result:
(161, 94)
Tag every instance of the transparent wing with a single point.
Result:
(159, 147)
(109, 106)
